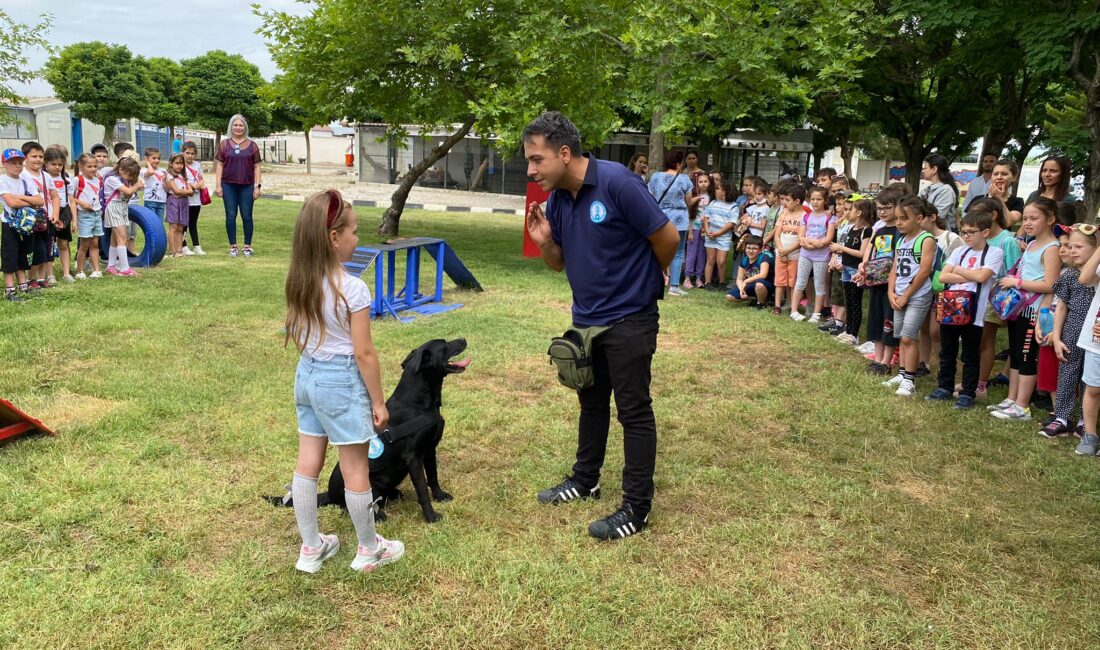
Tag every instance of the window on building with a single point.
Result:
(20, 124)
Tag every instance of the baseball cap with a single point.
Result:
(12, 154)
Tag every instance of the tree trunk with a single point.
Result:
(846, 153)
(656, 135)
(391, 220)
(914, 160)
(309, 152)
(1092, 180)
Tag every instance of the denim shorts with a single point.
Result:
(847, 273)
(89, 224)
(332, 401)
(1091, 375)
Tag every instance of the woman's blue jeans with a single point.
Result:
(678, 261)
(238, 197)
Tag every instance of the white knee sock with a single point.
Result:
(111, 256)
(123, 258)
(361, 509)
(304, 492)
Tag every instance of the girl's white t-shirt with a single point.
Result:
(62, 192)
(337, 328)
(90, 193)
(154, 186)
(194, 175)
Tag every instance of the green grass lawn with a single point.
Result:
(799, 503)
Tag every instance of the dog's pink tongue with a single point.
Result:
(462, 364)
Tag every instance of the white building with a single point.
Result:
(48, 121)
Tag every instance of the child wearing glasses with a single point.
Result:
(972, 268)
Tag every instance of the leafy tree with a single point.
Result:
(166, 107)
(465, 62)
(288, 95)
(1067, 130)
(103, 83)
(16, 39)
(218, 85)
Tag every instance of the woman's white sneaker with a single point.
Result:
(389, 551)
(310, 559)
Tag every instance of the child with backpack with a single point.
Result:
(194, 202)
(909, 289)
(328, 319)
(34, 174)
(1033, 279)
(84, 194)
(63, 227)
(967, 277)
(20, 202)
(1072, 311)
(852, 248)
(946, 244)
(118, 187)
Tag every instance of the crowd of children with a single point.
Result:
(892, 265)
(43, 205)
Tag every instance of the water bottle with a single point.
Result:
(1046, 321)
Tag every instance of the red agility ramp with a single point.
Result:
(15, 423)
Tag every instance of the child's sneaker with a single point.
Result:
(815, 318)
(81, 276)
(880, 369)
(389, 551)
(923, 370)
(837, 329)
(675, 291)
(310, 559)
(1003, 404)
(1079, 430)
(797, 317)
(847, 339)
(1013, 412)
(894, 381)
(128, 273)
(232, 251)
(247, 251)
(688, 284)
(70, 279)
(906, 388)
(777, 311)
(96, 274)
(51, 280)
(113, 271)
(939, 395)
(198, 251)
(12, 296)
(868, 347)
(1055, 429)
(187, 251)
(965, 402)
(1087, 446)
(827, 325)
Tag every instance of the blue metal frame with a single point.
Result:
(387, 298)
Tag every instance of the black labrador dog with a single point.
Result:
(414, 432)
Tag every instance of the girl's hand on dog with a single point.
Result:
(381, 416)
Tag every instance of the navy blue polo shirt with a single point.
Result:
(603, 237)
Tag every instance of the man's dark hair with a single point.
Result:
(122, 147)
(31, 146)
(98, 147)
(556, 129)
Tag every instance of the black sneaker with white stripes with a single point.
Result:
(619, 524)
(568, 490)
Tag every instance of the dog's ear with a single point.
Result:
(417, 358)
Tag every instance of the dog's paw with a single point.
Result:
(442, 496)
(380, 515)
(433, 517)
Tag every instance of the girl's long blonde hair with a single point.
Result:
(312, 261)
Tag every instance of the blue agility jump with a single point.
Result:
(156, 238)
(387, 298)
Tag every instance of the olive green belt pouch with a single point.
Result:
(572, 354)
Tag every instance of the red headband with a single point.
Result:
(335, 202)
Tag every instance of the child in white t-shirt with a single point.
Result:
(156, 197)
(84, 196)
(194, 202)
(336, 351)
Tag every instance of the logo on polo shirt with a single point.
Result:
(597, 212)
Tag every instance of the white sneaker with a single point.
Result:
(70, 279)
(1013, 412)
(187, 251)
(816, 318)
(867, 348)
(81, 276)
(96, 274)
(51, 280)
(906, 388)
(389, 551)
(797, 317)
(1000, 406)
(198, 251)
(675, 291)
(893, 381)
(310, 559)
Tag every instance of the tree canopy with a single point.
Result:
(16, 39)
(217, 85)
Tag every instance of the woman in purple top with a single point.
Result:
(237, 181)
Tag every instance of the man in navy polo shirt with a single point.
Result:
(604, 229)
